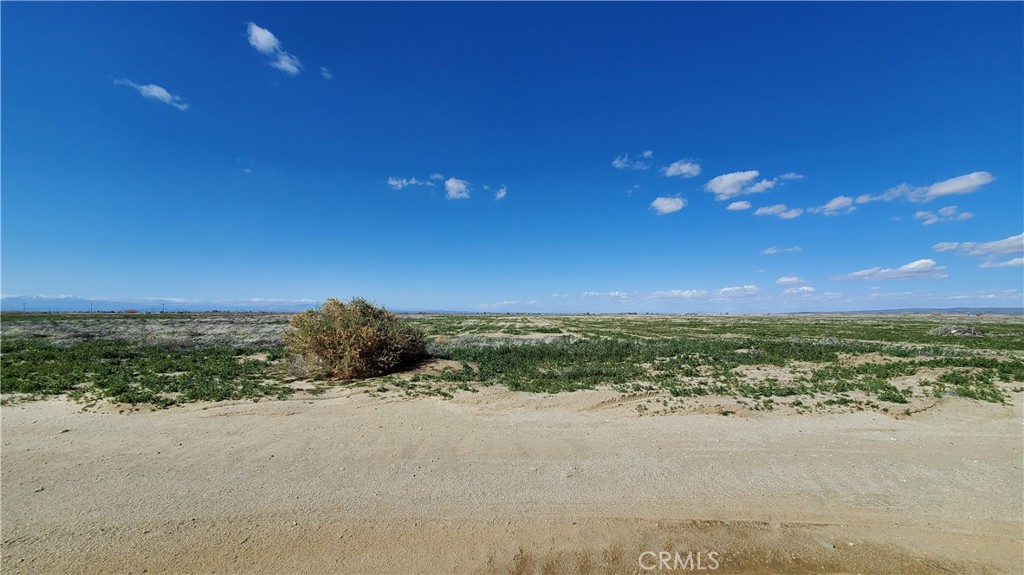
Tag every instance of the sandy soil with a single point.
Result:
(501, 482)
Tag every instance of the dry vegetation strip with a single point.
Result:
(857, 361)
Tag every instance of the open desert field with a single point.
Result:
(197, 443)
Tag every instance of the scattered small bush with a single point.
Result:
(355, 340)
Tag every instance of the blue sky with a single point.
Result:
(671, 157)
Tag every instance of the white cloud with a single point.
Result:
(965, 184)
(263, 40)
(287, 63)
(774, 250)
(919, 269)
(762, 186)
(1015, 262)
(780, 211)
(730, 185)
(1010, 245)
(958, 185)
(668, 205)
(1008, 294)
(741, 205)
(399, 183)
(802, 290)
(770, 210)
(738, 291)
(675, 293)
(835, 206)
(790, 280)
(946, 214)
(326, 73)
(436, 176)
(684, 168)
(154, 92)
(501, 193)
(267, 44)
(741, 183)
(624, 162)
(561, 295)
(611, 294)
(456, 189)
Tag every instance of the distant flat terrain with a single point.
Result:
(759, 444)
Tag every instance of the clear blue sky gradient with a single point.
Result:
(246, 181)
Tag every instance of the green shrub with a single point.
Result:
(355, 339)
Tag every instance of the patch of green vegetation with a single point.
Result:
(126, 372)
(754, 359)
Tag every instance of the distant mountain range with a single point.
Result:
(949, 310)
(78, 304)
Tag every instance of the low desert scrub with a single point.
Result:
(129, 372)
(355, 340)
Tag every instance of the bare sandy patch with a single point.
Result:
(505, 482)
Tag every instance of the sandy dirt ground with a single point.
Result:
(501, 482)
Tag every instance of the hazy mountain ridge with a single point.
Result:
(80, 304)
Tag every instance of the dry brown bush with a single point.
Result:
(354, 340)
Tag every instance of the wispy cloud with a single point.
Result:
(740, 205)
(1013, 295)
(1015, 262)
(399, 183)
(436, 176)
(501, 193)
(154, 92)
(779, 210)
(965, 184)
(790, 280)
(684, 168)
(919, 269)
(1010, 245)
(624, 162)
(267, 44)
(946, 214)
(835, 206)
(775, 250)
(456, 189)
(791, 176)
(609, 294)
(738, 291)
(802, 290)
(675, 293)
(668, 205)
(327, 74)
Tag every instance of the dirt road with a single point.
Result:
(501, 482)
